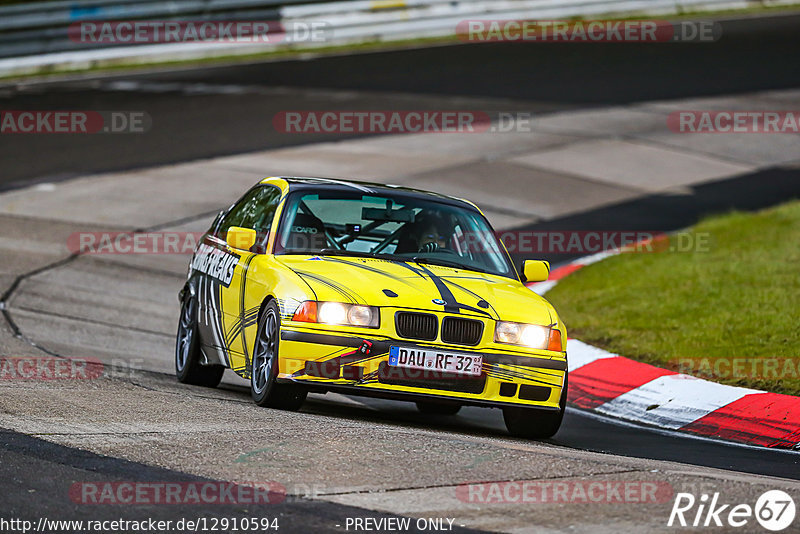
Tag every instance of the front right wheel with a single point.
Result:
(264, 387)
(531, 423)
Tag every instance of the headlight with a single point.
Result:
(507, 332)
(337, 313)
(535, 336)
(360, 315)
(529, 335)
(332, 313)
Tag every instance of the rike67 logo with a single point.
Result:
(774, 511)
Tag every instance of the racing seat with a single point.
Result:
(307, 233)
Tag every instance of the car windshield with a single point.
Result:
(399, 228)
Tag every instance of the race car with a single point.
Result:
(317, 285)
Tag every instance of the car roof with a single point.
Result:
(297, 183)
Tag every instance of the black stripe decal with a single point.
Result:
(352, 297)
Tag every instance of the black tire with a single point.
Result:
(530, 423)
(188, 368)
(264, 387)
(438, 408)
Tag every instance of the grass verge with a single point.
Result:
(729, 313)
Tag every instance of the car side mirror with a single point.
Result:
(241, 238)
(535, 271)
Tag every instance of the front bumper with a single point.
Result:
(348, 362)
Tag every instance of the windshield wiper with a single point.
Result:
(341, 252)
(440, 262)
(357, 254)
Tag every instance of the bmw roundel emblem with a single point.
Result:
(440, 302)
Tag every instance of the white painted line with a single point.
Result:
(540, 288)
(600, 256)
(580, 354)
(673, 401)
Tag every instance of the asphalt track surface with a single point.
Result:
(215, 111)
(538, 78)
(586, 431)
(47, 470)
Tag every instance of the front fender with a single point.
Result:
(189, 287)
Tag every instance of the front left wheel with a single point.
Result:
(264, 387)
(188, 368)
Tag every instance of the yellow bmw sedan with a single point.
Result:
(311, 284)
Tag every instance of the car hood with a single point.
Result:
(379, 282)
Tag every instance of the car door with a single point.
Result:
(256, 212)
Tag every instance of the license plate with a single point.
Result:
(435, 360)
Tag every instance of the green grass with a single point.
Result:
(739, 299)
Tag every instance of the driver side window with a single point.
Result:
(256, 210)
